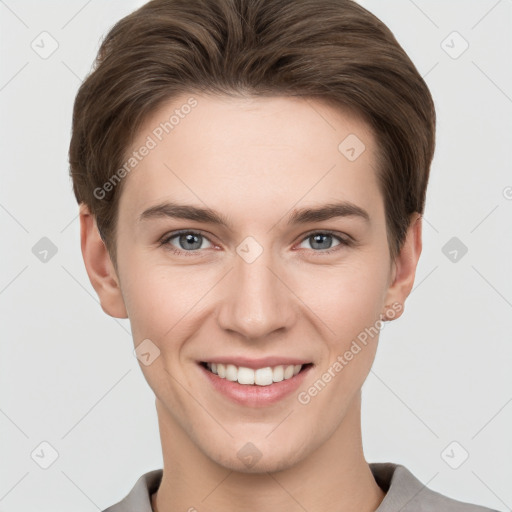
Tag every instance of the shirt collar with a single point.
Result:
(403, 490)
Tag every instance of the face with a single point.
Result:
(260, 284)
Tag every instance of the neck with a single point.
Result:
(337, 475)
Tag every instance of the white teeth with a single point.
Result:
(288, 372)
(278, 374)
(231, 372)
(245, 375)
(263, 376)
(260, 377)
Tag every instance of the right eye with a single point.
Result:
(188, 241)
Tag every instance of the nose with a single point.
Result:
(256, 301)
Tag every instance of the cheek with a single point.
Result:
(160, 300)
(350, 306)
(152, 305)
(357, 323)
(348, 298)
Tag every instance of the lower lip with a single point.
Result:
(253, 395)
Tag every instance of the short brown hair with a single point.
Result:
(332, 50)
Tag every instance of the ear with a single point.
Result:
(99, 266)
(404, 270)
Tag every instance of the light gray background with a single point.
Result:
(442, 372)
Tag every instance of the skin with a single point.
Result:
(255, 160)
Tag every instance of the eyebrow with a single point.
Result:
(298, 216)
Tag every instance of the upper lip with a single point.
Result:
(262, 362)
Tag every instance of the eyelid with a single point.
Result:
(341, 236)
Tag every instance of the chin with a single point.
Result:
(257, 457)
(271, 464)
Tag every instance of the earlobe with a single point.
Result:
(99, 266)
(404, 269)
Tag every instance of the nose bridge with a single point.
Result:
(257, 302)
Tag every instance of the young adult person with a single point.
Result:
(251, 177)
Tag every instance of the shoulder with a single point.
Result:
(406, 493)
(139, 498)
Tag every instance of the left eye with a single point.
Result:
(322, 240)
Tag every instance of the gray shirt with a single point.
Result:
(404, 493)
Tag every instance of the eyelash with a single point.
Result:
(345, 241)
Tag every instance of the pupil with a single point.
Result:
(318, 238)
(189, 239)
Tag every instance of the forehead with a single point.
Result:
(224, 151)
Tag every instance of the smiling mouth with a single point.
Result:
(258, 377)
